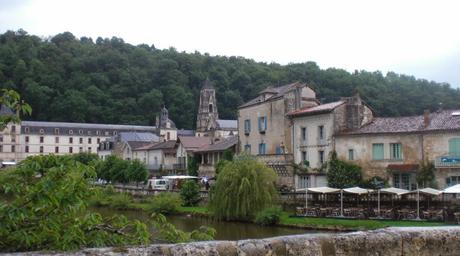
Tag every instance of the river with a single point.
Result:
(225, 230)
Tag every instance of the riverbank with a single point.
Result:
(120, 201)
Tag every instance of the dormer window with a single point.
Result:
(56, 130)
(42, 131)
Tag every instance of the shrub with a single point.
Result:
(343, 174)
(166, 203)
(120, 201)
(190, 193)
(269, 216)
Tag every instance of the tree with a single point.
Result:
(47, 210)
(192, 165)
(341, 174)
(425, 175)
(243, 188)
(137, 171)
(12, 100)
(190, 193)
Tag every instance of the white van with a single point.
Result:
(158, 184)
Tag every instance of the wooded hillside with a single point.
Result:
(109, 81)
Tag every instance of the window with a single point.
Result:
(1, 138)
(262, 149)
(41, 149)
(1, 148)
(452, 180)
(70, 131)
(303, 181)
(377, 151)
(70, 140)
(247, 126)
(98, 132)
(56, 140)
(304, 156)
(454, 147)
(115, 133)
(395, 151)
(13, 148)
(42, 139)
(81, 140)
(321, 132)
(278, 150)
(247, 148)
(27, 139)
(210, 108)
(168, 136)
(303, 133)
(262, 124)
(80, 131)
(351, 154)
(321, 156)
(80, 149)
(98, 140)
(56, 130)
(26, 129)
(56, 150)
(13, 138)
(89, 140)
(27, 149)
(89, 149)
(70, 149)
(402, 180)
(42, 131)
(13, 128)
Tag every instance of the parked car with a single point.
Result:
(158, 184)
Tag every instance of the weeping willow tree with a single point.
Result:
(243, 188)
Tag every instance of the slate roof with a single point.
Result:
(276, 91)
(439, 121)
(185, 132)
(5, 111)
(219, 145)
(227, 124)
(193, 143)
(138, 136)
(166, 146)
(324, 108)
(137, 144)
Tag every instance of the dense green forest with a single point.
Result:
(109, 81)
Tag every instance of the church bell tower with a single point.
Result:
(207, 110)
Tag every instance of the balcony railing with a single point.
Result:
(447, 161)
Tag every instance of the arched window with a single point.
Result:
(210, 108)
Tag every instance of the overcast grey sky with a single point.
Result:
(419, 38)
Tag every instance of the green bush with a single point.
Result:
(120, 201)
(166, 203)
(269, 216)
(190, 193)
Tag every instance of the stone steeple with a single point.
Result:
(207, 110)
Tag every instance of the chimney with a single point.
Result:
(426, 118)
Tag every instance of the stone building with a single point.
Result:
(158, 156)
(186, 146)
(211, 153)
(123, 144)
(208, 122)
(266, 131)
(396, 147)
(313, 136)
(166, 128)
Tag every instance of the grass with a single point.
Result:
(344, 224)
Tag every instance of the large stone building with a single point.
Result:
(314, 130)
(396, 147)
(208, 123)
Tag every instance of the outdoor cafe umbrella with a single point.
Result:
(391, 190)
(426, 191)
(353, 190)
(320, 190)
(455, 189)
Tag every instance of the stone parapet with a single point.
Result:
(418, 241)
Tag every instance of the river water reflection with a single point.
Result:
(225, 230)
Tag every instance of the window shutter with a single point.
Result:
(265, 123)
(454, 147)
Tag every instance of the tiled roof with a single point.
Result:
(439, 121)
(167, 146)
(87, 125)
(227, 124)
(193, 143)
(219, 145)
(324, 108)
(276, 91)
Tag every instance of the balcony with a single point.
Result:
(447, 161)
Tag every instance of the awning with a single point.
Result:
(323, 190)
(452, 190)
(428, 191)
(357, 190)
(396, 191)
(403, 167)
(179, 177)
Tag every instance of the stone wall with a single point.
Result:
(391, 241)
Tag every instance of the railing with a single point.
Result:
(447, 161)
(280, 158)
